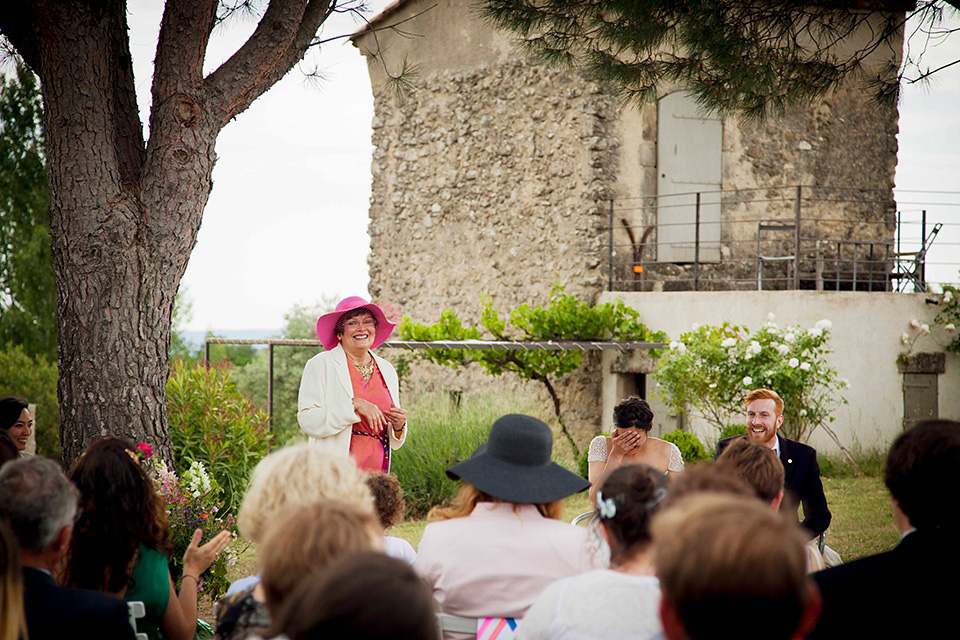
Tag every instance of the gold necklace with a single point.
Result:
(366, 370)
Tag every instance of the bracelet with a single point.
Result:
(187, 575)
(400, 430)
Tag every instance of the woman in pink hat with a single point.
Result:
(349, 397)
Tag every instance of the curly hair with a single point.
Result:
(633, 412)
(296, 476)
(119, 509)
(387, 497)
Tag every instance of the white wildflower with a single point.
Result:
(747, 381)
(805, 366)
(793, 363)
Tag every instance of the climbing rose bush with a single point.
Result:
(709, 370)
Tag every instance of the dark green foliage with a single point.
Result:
(35, 380)
(864, 463)
(28, 303)
(441, 435)
(213, 423)
(690, 446)
(565, 317)
(734, 56)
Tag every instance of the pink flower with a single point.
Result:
(145, 449)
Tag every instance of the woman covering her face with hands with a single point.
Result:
(630, 443)
(349, 396)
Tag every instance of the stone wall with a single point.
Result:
(492, 181)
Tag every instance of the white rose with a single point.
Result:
(948, 296)
(950, 327)
(783, 349)
(905, 338)
(682, 348)
(914, 324)
(924, 329)
(771, 317)
(789, 337)
(824, 324)
(793, 363)
(803, 412)
(729, 342)
(747, 381)
(816, 332)
(805, 366)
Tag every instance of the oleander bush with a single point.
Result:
(212, 422)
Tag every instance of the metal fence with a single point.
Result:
(798, 237)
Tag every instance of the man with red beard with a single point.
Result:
(801, 482)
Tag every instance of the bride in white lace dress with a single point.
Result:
(630, 443)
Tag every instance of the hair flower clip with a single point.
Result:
(606, 506)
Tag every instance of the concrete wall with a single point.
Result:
(865, 340)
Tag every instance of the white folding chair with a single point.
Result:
(136, 610)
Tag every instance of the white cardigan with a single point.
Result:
(325, 406)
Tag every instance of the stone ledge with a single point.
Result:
(922, 362)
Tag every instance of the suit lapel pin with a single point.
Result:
(789, 460)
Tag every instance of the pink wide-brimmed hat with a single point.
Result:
(328, 322)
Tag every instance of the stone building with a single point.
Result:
(497, 175)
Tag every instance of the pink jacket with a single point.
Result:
(494, 562)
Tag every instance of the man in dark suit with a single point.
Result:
(801, 479)
(916, 580)
(40, 504)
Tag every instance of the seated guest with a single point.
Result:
(299, 544)
(705, 477)
(760, 468)
(388, 498)
(731, 567)
(764, 416)
(15, 419)
(631, 443)
(502, 542)
(39, 503)
(590, 605)
(336, 603)
(922, 474)
(13, 624)
(291, 478)
(121, 541)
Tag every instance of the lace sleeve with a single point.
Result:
(598, 450)
(676, 460)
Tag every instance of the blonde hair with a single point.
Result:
(296, 476)
(765, 394)
(468, 497)
(304, 541)
(13, 622)
(718, 553)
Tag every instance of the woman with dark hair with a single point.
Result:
(630, 443)
(350, 397)
(591, 605)
(121, 541)
(336, 602)
(8, 448)
(16, 421)
(502, 541)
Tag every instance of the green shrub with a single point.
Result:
(35, 380)
(690, 446)
(213, 423)
(731, 430)
(441, 435)
(865, 463)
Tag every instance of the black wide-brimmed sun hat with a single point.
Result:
(514, 464)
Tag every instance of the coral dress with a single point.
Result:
(371, 451)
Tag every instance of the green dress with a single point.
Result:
(150, 584)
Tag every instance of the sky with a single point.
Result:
(286, 220)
